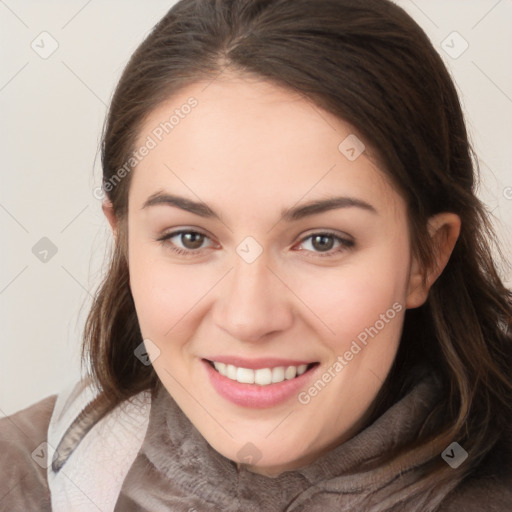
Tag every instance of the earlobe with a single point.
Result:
(108, 210)
(444, 230)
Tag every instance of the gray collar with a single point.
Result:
(177, 465)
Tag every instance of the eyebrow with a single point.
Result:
(288, 215)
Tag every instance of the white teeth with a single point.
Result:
(301, 369)
(290, 372)
(262, 376)
(220, 367)
(231, 371)
(277, 374)
(245, 375)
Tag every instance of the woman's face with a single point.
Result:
(259, 243)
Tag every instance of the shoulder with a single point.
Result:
(23, 457)
(489, 489)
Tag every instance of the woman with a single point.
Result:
(302, 311)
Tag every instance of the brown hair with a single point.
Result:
(369, 63)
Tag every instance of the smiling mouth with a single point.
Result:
(261, 376)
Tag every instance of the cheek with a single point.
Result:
(163, 293)
(353, 297)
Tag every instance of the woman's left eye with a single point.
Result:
(326, 244)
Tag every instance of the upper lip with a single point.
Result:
(256, 363)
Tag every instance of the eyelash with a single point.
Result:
(345, 243)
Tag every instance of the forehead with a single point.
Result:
(240, 142)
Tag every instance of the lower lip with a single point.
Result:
(253, 395)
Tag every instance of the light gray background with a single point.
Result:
(52, 111)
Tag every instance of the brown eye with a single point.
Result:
(192, 240)
(325, 244)
(186, 242)
(322, 242)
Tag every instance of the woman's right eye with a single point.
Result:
(185, 242)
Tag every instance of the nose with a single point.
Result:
(254, 303)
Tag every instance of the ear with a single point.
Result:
(108, 210)
(444, 229)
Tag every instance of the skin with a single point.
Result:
(249, 150)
